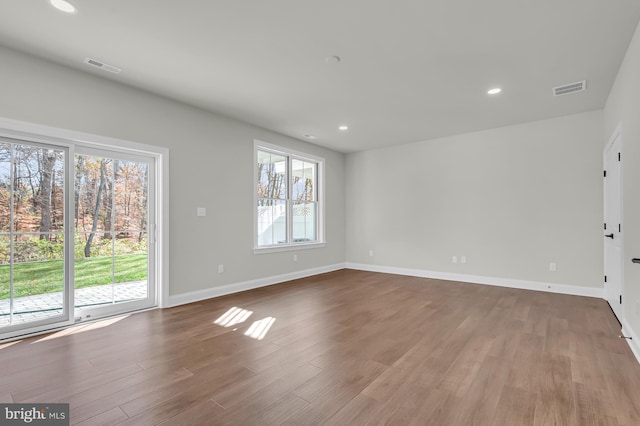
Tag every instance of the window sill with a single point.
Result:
(293, 247)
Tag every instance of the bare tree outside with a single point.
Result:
(110, 219)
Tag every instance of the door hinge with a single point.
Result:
(618, 156)
(621, 299)
(619, 228)
(605, 173)
(605, 226)
(605, 278)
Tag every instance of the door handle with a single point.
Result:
(609, 236)
(635, 260)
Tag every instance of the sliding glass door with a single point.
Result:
(77, 234)
(33, 265)
(114, 259)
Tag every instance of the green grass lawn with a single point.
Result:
(31, 278)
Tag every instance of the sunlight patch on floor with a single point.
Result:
(6, 345)
(82, 328)
(233, 316)
(260, 328)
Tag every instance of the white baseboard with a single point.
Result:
(634, 343)
(476, 279)
(195, 296)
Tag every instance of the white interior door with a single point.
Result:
(613, 229)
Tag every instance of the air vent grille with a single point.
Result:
(102, 66)
(570, 88)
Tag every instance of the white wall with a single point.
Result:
(623, 107)
(211, 165)
(511, 200)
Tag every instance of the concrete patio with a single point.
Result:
(41, 306)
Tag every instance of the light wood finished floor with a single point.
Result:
(346, 348)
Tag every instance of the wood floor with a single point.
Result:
(345, 348)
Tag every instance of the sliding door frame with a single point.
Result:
(151, 300)
(66, 318)
(68, 139)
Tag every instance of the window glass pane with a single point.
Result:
(38, 264)
(31, 244)
(303, 176)
(131, 278)
(93, 281)
(272, 175)
(130, 244)
(111, 248)
(304, 222)
(38, 183)
(38, 277)
(93, 274)
(130, 198)
(37, 247)
(94, 180)
(272, 222)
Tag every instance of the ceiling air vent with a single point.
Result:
(570, 88)
(102, 66)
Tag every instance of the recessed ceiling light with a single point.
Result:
(63, 6)
(343, 127)
(332, 59)
(494, 91)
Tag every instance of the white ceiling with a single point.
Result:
(411, 70)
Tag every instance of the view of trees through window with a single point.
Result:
(110, 206)
(110, 222)
(286, 199)
(31, 220)
(109, 218)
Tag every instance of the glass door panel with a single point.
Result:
(130, 206)
(32, 247)
(112, 266)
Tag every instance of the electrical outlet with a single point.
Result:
(220, 269)
(552, 266)
(371, 253)
(463, 259)
(295, 257)
(454, 259)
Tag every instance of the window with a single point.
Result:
(287, 198)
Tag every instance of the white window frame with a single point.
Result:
(290, 154)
